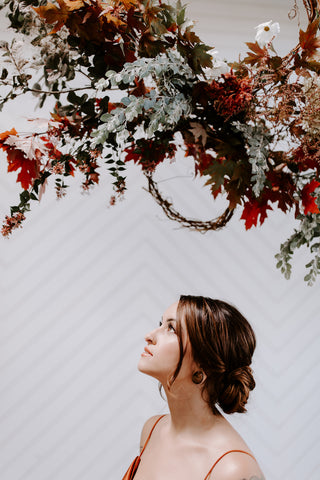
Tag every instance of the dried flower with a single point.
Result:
(11, 223)
(58, 168)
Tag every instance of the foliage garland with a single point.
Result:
(252, 127)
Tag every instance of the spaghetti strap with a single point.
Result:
(146, 442)
(130, 473)
(226, 453)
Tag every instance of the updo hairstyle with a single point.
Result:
(222, 344)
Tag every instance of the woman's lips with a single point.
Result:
(146, 353)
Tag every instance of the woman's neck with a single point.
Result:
(189, 412)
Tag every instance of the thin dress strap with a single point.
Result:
(226, 453)
(146, 442)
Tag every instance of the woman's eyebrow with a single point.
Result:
(168, 320)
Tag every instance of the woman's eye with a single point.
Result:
(171, 327)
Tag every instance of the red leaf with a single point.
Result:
(17, 160)
(29, 170)
(251, 212)
(308, 201)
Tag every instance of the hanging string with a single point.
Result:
(312, 7)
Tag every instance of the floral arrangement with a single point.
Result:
(251, 127)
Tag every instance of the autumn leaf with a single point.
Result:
(18, 160)
(114, 19)
(252, 211)
(128, 3)
(29, 170)
(199, 132)
(219, 170)
(309, 201)
(4, 136)
(140, 89)
(309, 41)
(256, 55)
(200, 58)
(58, 16)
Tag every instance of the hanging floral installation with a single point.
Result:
(252, 127)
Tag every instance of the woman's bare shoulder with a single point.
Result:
(146, 429)
(237, 466)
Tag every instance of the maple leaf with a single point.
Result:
(309, 42)
(219, 169)
(29, 168)
(140, 89)
(58, 16)
(114, 19)
(4, 136)
(30, 145)
(198, 132)
(256, 55)
(251, 212)
(17, 160)
(199, 57)
(308, 201)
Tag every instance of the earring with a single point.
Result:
(197, 377)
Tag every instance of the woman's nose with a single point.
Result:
(150, 337)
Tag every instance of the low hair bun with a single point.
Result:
(235, 390)
(222, 344)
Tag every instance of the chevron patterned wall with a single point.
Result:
(82, 283)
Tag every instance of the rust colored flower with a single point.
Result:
(11, 223)
(230, 95)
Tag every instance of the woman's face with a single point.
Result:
(162, 352)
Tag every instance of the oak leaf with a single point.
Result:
(252, 211)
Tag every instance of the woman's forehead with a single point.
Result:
(171, 311)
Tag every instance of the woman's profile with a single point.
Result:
(201, 355)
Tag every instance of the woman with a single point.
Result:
(201, 354)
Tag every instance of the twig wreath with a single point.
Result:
(252, 127)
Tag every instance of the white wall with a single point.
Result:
(81, 284)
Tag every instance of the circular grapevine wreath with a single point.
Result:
(252, 127)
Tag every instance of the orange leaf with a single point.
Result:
(71, 4)
(52, 15)
(113, 19)
(128, 3)
(4, 136)
(58, 16)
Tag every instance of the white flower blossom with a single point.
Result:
(219, 67)
(266, 32)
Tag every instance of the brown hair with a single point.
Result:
(222, 343)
